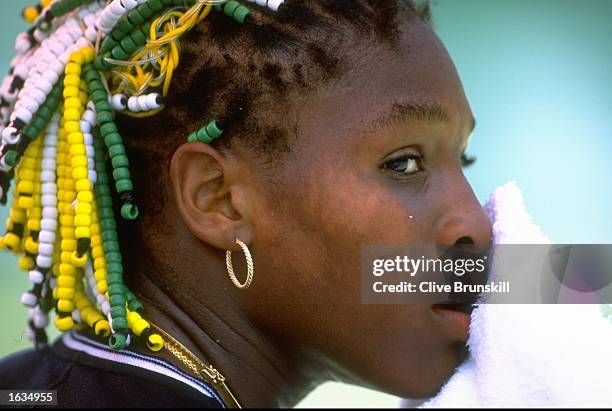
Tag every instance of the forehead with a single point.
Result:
(416, 69)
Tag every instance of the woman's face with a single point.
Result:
(376, 161)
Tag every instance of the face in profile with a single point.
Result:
(377, 160)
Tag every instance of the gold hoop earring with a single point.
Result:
(230, 268)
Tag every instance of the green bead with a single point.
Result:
(230, 7)
(112, 139)
(111, 246)
(107, 45)
(98, 96)
(109, 235)
(203, 136)
(146, 11)
(155, 5)
(114, 279)
(117, 299)
(120, 161)
(117, 311)
(114, 289)
(138, 37)
(128, 44)
(104, 117)
(103, 190)
(38, 123)
(103, 106)
(108, 224)
(125, 25)
(11, 158)
(129, 211)
(120, 323)
(30, 132)
(96, 86)
(121, 173)
(135, 17)
(213, 130)
(241, 14)
(116, 150)
(135, 305)
(106, 212)
(102, 179)
(124, 185)
(119, 53)
(218, 7)
(192, 137)
(117, 341)
(108, 128)
(114, 268)
(105, 201)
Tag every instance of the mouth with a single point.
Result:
(455, 317)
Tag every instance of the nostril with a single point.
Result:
(465, 240)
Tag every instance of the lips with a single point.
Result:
(455, 318)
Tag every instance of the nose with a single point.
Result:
(463, 220)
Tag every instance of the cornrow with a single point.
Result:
(74, 141)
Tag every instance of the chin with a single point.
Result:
(425, 380)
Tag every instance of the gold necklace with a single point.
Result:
(204, 372)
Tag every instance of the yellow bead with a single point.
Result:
(79, 173)
(140, 326)
(71, 91)
(102, 286)
(12, 240)
(96, 240)
(25, 202)
(102, 328)
(155, 342)
(25, 186)
(97, 251)
(85, 196)
(77, 57)
(84, 97)
(71, 127)
(67, 232)
(82, 232)
(72, 114)
(68, 244)
(99, 263)
(132, 317)
(83, 184)
(65, 257)
(70, 80)
(45, 3)
(30, 14)
(73, 103)
(73, 68)
(82, 220)
(65, 293)
(26, 263)
(79, 161)
(66, 281)
(31, 246)
(88, 53)
(64, 324)
(26, 173)
(34, 225)
(100, 274)
(65, 305)
(2, 243)
(78, 261)
(77, 149)
(18, 216)
(75, 137)
(67, 270)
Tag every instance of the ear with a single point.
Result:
(208, 196)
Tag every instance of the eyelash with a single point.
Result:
(466, 161)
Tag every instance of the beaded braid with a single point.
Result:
(80, 62)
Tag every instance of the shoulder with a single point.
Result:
(88, 376)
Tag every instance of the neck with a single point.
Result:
(255, 370)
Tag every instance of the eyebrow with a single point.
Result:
(404, 111)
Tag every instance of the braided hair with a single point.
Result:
(101, 93)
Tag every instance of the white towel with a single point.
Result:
(530, 355)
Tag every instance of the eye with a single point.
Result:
(405, 164)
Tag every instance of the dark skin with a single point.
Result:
(377, 161)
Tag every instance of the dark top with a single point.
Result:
(86, 373)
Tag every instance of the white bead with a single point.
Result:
(91, 33)
(90, 151)
(142, 103)
(39, 35)
(49, 224)
(49, 151)
(28, 299)
(88, 139)
(50, 212)
(132, 103)
(152, 101)
(22, 71)
(65, 39)
(9, 135)
(45, 249)
(40, 320)
(118, 102)
(44, 261)
(75, 32)
(275, 4)
(56, 47)
(89, 116)
(48, 164)
(29, 103)
(38, 95)
(44, 85)
(36, 276)
(48, 188)
(261, 2)
(129, 4)
(85, 127)
(116, 9)
(93, 176)
(49, 200)
(47, 175)
(23, 114)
